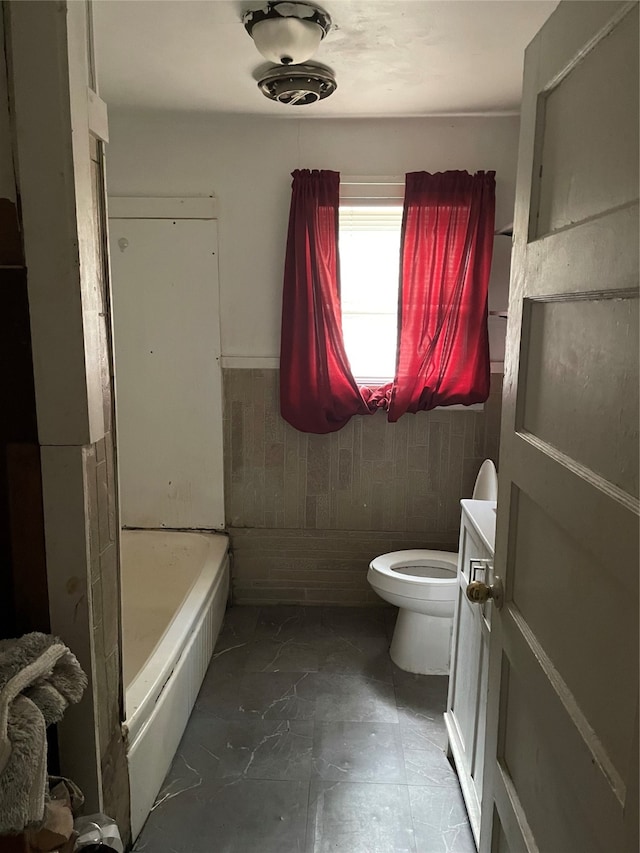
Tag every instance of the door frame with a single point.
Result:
(54, 113)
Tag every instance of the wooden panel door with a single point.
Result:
(562, 737)
(168, 373)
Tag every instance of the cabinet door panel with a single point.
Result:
(466, 707)
(465, 690)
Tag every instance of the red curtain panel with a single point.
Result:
(445, 260)
(317, 391)
(443, 347)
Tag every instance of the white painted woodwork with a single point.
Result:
(561, 769)
(69, 587)
(177, 154)
(168, 374)
(132, 207)
(97, 116)
(49, 75)
(465, 716)
(379, 191)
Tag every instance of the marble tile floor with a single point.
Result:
(306, 738)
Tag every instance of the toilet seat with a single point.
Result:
(436, 580)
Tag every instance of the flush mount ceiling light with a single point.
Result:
(297, 85)
(287, 33)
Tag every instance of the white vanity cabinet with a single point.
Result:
(467, 700)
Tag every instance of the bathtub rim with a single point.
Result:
(145, 689)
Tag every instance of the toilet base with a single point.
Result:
(421, 643)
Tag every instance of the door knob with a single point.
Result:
(479, 593)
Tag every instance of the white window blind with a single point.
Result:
(369, 265)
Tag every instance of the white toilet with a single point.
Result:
(423, 585)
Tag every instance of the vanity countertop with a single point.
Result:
(482, 515)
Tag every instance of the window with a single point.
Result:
(370, 223)
(442, 355)
(369, 267)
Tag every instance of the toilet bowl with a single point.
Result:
(422, 584)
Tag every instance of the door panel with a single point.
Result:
(530, 760)
(464, 699)
(581, 107)
(568, 761)
(566, 379)
(168, 374)
(563, 662)
(607, 268)
(477, 770)
(500, 843)
(549, 568)
(466, 702)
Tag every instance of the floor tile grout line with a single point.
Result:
(391, 690)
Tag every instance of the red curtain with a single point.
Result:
(443, 347)
(317, 391)
(445, 260)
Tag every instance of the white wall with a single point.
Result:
(246, 163)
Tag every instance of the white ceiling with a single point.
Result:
(390, 57)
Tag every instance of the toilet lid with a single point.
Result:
(437, 566)
(486, 487)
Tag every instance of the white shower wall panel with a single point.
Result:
(168, 374)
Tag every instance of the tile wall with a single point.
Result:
(306, 513)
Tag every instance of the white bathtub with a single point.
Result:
(174, 593)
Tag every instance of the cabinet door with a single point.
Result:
(465, 715)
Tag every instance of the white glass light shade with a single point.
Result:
(287, 41)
